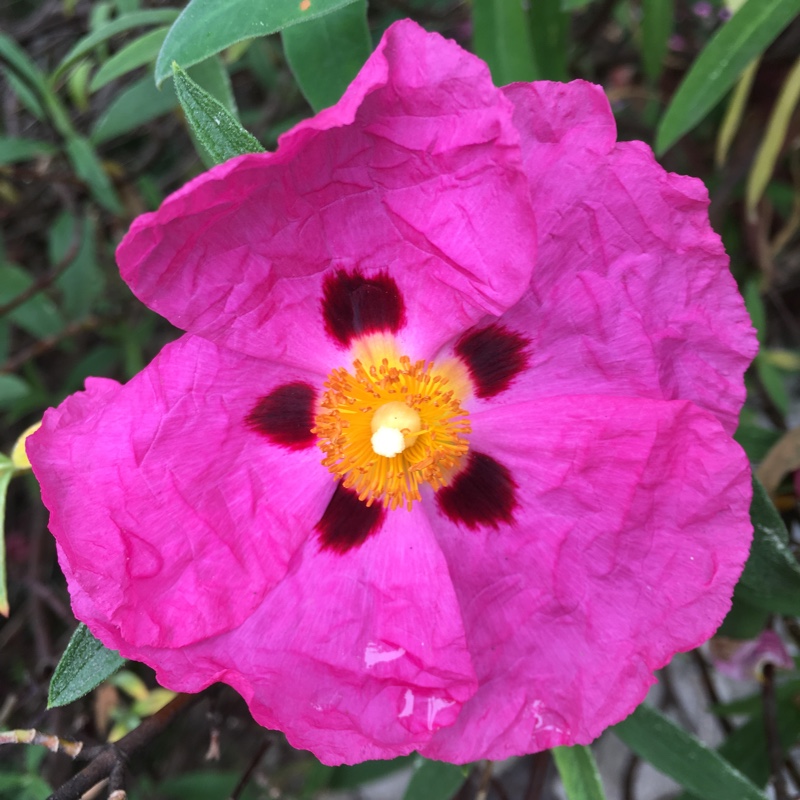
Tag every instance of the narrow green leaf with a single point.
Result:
(658, 17)
(684, 758)
(88, 167)
(326, 53)
(502, 39)
(771, 577)
(212, 76)
(205, 27)
(13, 150)
(549, 26)
(136, 19)
(774, 137)
(435, 780)
(86, 663)
(24, 69)
(747, 34)
(139, 52)
(734, 113)
(6, 473)
(135, 106)
(578, 771)
(213, 125)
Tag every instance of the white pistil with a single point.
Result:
(394, 427)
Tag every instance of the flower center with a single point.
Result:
(390, 425)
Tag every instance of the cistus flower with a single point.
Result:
(444, 461)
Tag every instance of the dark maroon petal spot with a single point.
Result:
(353, 305)
(483, 494)
(348, 521)
(494, 357)
(286, 416)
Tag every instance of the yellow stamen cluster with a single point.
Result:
(368, 403)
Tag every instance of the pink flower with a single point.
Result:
(444, 461)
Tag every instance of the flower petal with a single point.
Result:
(631, 293)
(631, 531)
(170, 511)
(415, 173)
(355, 656)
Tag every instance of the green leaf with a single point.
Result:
(684, 758)
(88, 167)
(435, 780)
(24, 787)
(86, 663)
(12, 388)
(747, 746)
(658, 18)
(732, 120)
(136, 19)
(205, 27)
(350, 777)
(502, 39)
(13, 150)
(578, 771)
(134, 106)
(744, 620)
(773, 382)
(83, 280)
(754, 437)
(136, 54)
(24, 69)
(213, 125)
(772, 144)
(326, 53)
(747, 34)
(771, 577)
(212, 76)
(38, 316)
(549, 27)
(6, 474)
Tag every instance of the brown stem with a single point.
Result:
(711, 690)
(113, 757)
(251, 768)
(540, 765)
(774, 749)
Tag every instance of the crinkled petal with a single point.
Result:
(631, 293)
(171, 514)
(631, 530)
(415, 172)
(355, 657)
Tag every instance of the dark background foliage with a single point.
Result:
(87, 142)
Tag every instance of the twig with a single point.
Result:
(484, 780)
(774, 749)
(498, 788)
(629, 778)
(540, 765)
(711, 690)
(42, 346)
(251, 768)
(112, 757)
(52, 743)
